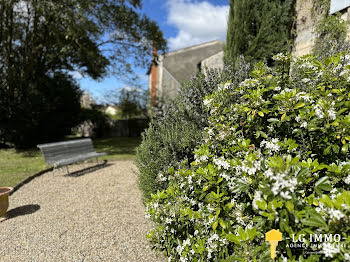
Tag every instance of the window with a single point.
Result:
(338, 5)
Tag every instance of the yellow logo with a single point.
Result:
(273, 236)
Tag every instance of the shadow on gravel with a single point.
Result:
(89, 169)
(22, 211)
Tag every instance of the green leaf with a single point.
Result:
(322, 185)
(232, 238)
(251, 233)
(273, 120)
(327, 150)
(241, 186)
(315, 220)
(261, 204)
(326, 200)
(257, 219)
(345, 148)
(170, 191)
(222, 223)
(283, 116)
(229, 205)
(295, 160)
(215, 225)
(263, 134)
(335, 149)
(341, 111)
(290, 206)
(260, 113)
(243, 235)
(299, 105)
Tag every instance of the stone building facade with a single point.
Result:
(306, 21)
(170, 70)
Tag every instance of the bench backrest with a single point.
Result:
(64, 150)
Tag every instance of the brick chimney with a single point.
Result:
(154, 76)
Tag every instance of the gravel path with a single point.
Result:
(97, 216)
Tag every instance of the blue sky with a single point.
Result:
(183, 22)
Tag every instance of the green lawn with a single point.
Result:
(17, 166)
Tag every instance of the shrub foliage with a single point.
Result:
(177, 128)
(275, 158)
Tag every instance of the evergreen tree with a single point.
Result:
(258, 29)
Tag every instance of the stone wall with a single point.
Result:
(306, 25)
(185, 63)
(179, 66)
(213, 62)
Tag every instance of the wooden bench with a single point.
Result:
(61, 154)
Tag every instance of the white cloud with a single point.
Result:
(197, 22)
(76, 75)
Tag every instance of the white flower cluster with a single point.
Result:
(180, 248)
(269, 173)
(280, 57)
(332, 114)
(221, 163)
(319, 111)
(305, 96)
(336, 214)
(250, 170)
(230, 179)
(337, 68)
(305, 80)
(345, 58)
(303, 124)
(330, 249)
(224, 86)
(257, 197)
(198, 159)
(347, 180)
(249, 83)
(282, 185)
(272, 145)
(212, 244)
(161, 177)
(333, 213)
(239, 214)
(286, 90)
(207, 102)
(308, 65)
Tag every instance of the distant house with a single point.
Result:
(168, 71)
(112, 110)
(306, 23)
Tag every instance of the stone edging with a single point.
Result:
(28, 179)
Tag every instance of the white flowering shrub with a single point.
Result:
(277, 158)
(177, 129)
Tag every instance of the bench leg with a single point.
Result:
(53, 170)
(67, 170)
(97, 160)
